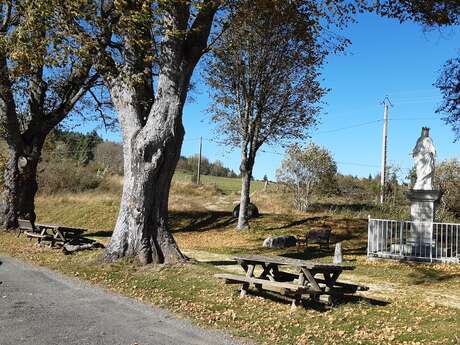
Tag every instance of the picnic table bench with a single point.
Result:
(314, 279)
(49, 232)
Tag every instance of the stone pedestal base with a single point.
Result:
(422, 213)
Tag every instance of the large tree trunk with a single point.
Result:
(20, 187)
(142, 225)
(153, 131)
(28, 188)
(10, 124)
(10, 190)
(246, 175)
(244, 201)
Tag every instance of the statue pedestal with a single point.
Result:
(422, 213)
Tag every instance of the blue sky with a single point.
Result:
(385, 58)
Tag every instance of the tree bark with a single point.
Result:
(20, 187)
(246, 175)
(153, 131)
(10, 190)
(10, 124)
(244, 202)
(142, 225)
(28, 185)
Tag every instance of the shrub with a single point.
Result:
(67, 176)
(447, 179)
(110, 155)
(306, 170)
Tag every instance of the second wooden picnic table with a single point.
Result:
(52, 232)
(304, 277)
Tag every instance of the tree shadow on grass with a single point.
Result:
(219, 262)
(355, 299)
(299, 222)
(199, 221)
(100, 233)
(309, 253)
(356, 207)
(307, 303)
(426, 275)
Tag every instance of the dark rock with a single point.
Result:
(253, 211)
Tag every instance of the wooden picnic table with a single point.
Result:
(50, 232)
(304, 277)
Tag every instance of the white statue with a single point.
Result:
(424, 154)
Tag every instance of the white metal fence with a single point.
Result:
(420, 241)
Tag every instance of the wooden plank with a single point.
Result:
(58, 235)
(61, 228)
(25, 224)
(311, 280)
(263, 282)
(266, 271)
(37, 235)
(259, 259)
(249, 274)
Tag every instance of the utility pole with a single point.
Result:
(383, 172)
(198, 177)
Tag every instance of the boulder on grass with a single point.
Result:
(280, 242)
(253, 211)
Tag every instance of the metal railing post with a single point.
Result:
(368, 234)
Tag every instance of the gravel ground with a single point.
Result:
(41, 307)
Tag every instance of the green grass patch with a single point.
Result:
(228, 185)
(191, 291)
(406, 304)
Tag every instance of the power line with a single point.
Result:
(339, 162)
(349, 127)
(413, 118)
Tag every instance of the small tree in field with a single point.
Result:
(447, 178)
(264, 78)
(303, 170)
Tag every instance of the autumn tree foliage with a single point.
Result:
(303, 170)
(449, 85)
(44, 74)
(264, 76)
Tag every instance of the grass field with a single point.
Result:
(227, 185)
(407, 303)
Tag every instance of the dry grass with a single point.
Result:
(413, 297)
(190, 291)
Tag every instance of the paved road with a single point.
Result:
(40, 307)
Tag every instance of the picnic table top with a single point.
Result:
(280, 260)
(60, 227)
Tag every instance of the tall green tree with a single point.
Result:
(44, 74)
(264, 76)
